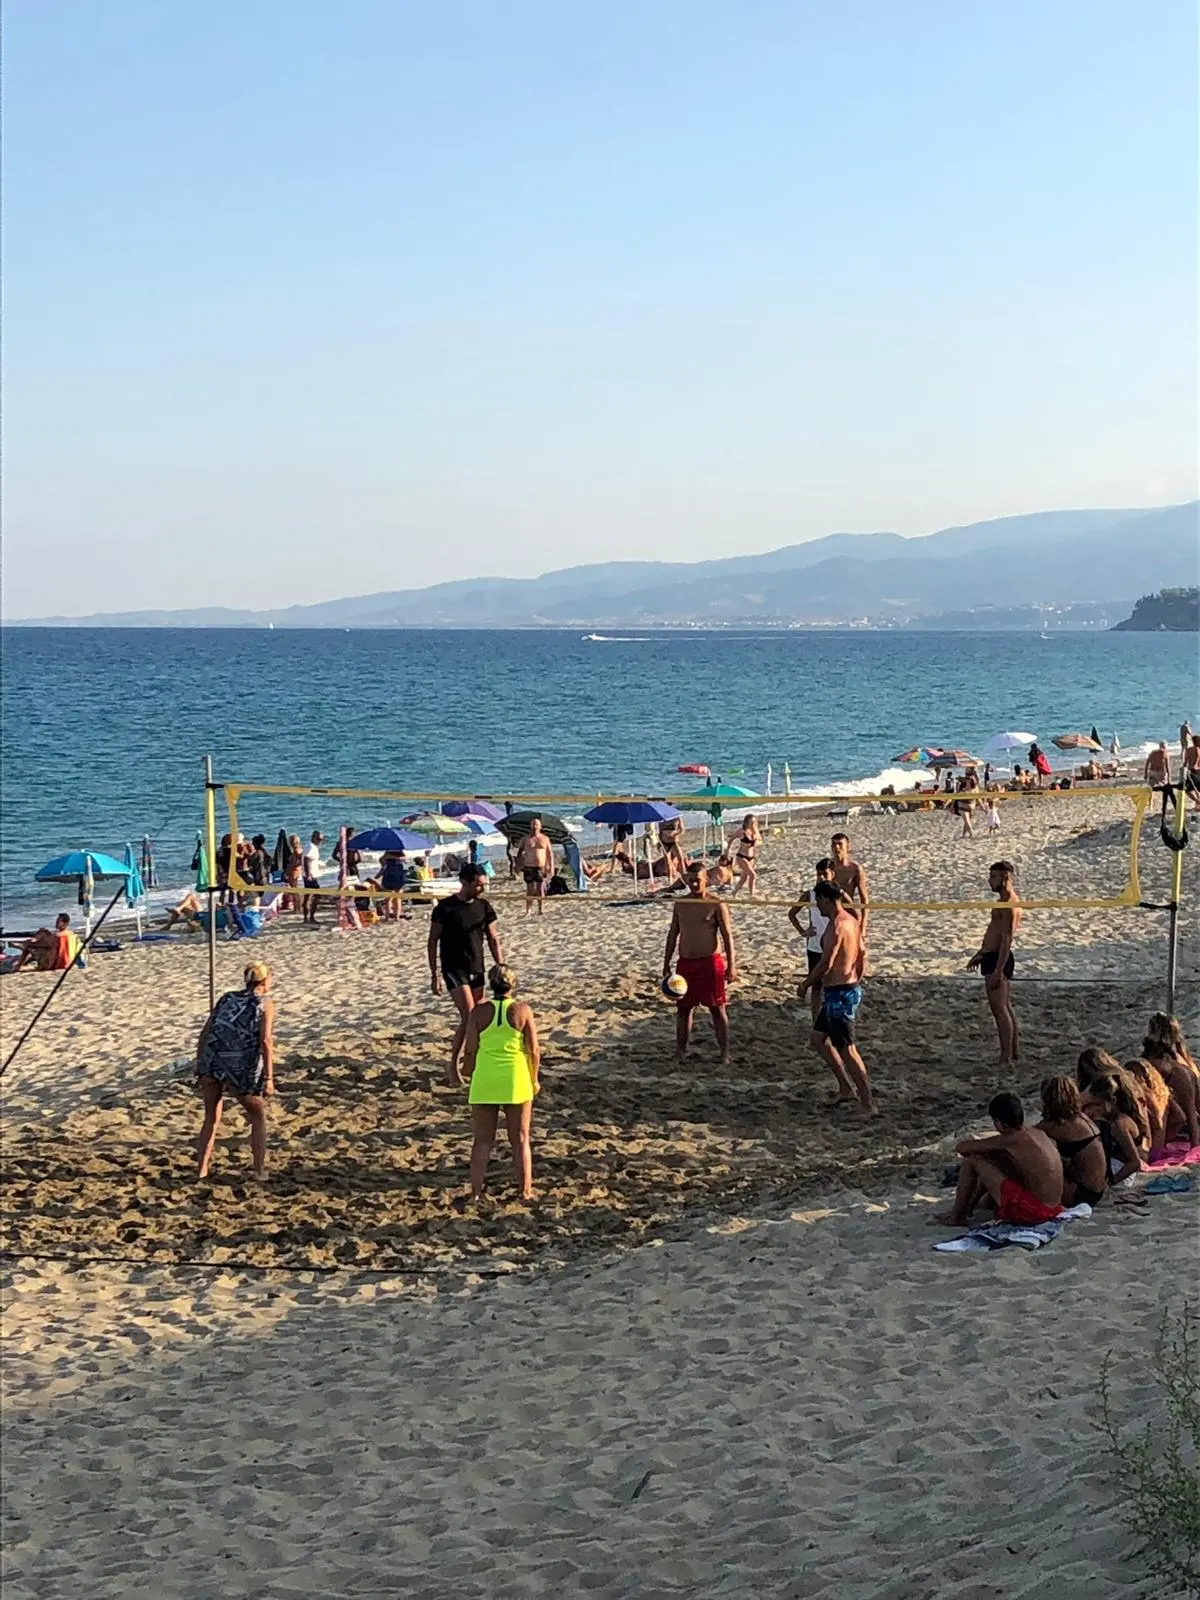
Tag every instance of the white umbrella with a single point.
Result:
(1010, 741)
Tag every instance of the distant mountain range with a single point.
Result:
(988, 573)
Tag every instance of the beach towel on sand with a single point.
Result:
(1177, 1154)
(995, 1235)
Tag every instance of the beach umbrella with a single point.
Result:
(473, 808)
(954, 758)
(620, 813)
(910, 757)
(1096, 737)
(1009, 741)
(78, 863)
(475, 824)
(388, 839)
(697, 769)
(432, 823)
(1077, 741)
(627, 814)
(201, 863)
(135, 889)
(710, 797)
(84, 867)
(148, 869)
(516, 826)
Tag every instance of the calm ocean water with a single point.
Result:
(104, 731)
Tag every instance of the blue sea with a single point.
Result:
(105, 731)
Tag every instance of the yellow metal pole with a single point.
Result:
(1176, 895)
(210, 834)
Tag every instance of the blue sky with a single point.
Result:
(306, 300)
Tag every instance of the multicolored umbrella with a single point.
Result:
(910, 757)
(432, 823)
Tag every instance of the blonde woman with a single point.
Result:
(501, 1057)
(748, 842)
(236, 1053)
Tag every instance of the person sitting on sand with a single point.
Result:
(1113, 1107)
(501, 1058)
(1166, 1027)
(1144, 1082)
(1183, 1113)
(839, 974)
(49, 949)
(1017, 1167)
(1084, 1164)
(188, 911)
(698, 924)
(236, 1053)
(995, 959)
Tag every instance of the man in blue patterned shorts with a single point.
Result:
(839, 973)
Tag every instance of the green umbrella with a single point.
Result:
(203, 871)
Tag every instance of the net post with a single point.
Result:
(1176, 892)
(210, 830)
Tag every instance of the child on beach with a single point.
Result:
(992, 817)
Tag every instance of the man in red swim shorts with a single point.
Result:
(699, 923)
(1019, 1167)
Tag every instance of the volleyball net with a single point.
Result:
(1076, 849)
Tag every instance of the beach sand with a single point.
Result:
(717, 1356)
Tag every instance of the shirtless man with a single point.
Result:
(698, 923)
(535, 857)
(1019, 1167)
(839, 975)
(850, 876)
(994, 959)
(1158, 767)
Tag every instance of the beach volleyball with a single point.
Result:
(674, 987)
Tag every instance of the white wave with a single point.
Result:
(615, 638)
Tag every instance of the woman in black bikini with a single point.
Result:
(1113, 1106)
(747, 849)
(1085, 1165)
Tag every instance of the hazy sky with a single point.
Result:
(306, 300)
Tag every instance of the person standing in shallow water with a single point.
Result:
(236, 1054)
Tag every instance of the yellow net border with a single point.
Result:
(796, 805)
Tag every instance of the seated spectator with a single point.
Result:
(1114, 1109)
(1145, 1082)
(1018, 1168)
(1080, 1147)
(50, 949)
(1183, 1112)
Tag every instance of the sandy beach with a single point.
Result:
(718, 1355)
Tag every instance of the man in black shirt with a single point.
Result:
(458, 926)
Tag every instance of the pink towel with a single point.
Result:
(1177, 1154)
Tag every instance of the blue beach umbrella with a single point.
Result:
(135, 889)
(625, 813)
(388, 839)
(79, 863)
(83, 867)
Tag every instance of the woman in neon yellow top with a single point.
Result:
(500, 1062)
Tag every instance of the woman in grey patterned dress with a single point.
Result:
(236, 1053)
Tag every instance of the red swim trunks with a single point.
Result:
(1018, 1205)
(705, 976)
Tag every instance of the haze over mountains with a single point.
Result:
(1098, 559)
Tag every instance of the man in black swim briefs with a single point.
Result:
(458, 926)
(995, 960)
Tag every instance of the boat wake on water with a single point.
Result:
(615, 638)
